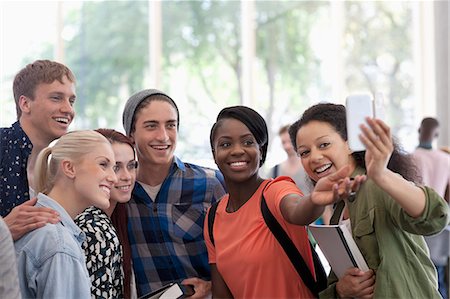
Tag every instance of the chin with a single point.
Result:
(124, 199)
(103, 204)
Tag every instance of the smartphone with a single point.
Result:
(358, 107)
(172, 290)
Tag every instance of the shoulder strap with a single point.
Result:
(211, 217)
(276, 170)
(293, 254)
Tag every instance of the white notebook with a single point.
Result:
(339, 248)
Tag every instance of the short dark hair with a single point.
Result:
(251, 119)
(38, 72)
(334, 115)
(429, 123)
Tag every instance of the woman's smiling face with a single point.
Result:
(236, 152)
(322, 150)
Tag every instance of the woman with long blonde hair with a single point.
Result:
(77, 172)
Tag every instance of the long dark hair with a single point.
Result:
(119, 216)
(334, 114)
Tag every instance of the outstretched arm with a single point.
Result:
(304, 210)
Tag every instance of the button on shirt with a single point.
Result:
(14, 152)
(166, 234)
(50, 260)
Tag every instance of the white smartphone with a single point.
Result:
(358, 107)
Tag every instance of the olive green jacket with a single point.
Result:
(392, 242)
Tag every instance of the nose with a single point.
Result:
(111, 176)
(162, 134)
(315, 155)
(124, 174)
(237, 150)
(67, 107)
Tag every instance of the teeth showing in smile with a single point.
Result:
(62, 120)
(105, 189)
(323, 168)
(238, 163)
(123, 188)
(160, 147)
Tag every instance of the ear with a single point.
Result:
(214, 155)
(25, 104)
(68, 168)
(132, 138)
(349, 151)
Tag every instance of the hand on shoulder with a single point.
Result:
(27, 217)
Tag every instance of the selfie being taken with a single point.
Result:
(224, 149)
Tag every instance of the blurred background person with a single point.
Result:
(292, 166)
(434, 168)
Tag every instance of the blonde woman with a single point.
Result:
(77, 172)
(107, 249)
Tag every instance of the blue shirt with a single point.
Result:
(14, 152)
(166, 235)
(50, 260)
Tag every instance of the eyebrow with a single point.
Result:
(242, 136)
(103, 157)
(157, 122)
(318, 138)
(60, 93)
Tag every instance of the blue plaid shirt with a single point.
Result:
(166, 235)
(14, 152)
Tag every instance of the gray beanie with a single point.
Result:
(134, 101)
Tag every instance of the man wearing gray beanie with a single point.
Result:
(169, 200)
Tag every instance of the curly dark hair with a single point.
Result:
(334, 114)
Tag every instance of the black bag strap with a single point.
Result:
(288, 246)
(293, 254)
(211, 217)
(276, 170)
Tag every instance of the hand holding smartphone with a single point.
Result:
(358, 107)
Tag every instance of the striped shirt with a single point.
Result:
(166, 233)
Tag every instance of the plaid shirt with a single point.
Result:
(14, 152)
(166, 235)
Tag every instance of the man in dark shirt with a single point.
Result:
(44, 93)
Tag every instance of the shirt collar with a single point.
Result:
(19, 134)
(178, 163)
(425, 145)
(358, 171)
(66, 220)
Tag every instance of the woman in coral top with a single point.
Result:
(246, 259)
